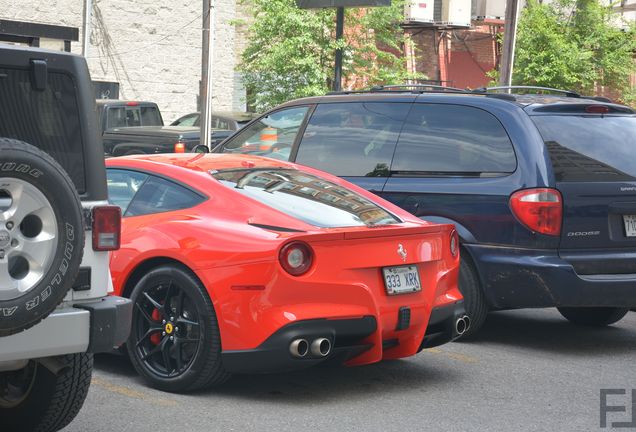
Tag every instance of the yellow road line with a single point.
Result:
(453, 355)
(124, 391)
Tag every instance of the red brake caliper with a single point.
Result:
(155, 338)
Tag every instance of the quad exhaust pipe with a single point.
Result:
(299, 348)
(462, 324)
(319, 347)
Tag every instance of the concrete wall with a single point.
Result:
(151, 47)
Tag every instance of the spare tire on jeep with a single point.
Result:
(41, 235)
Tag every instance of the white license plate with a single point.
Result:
(630, 225)
(401, 280)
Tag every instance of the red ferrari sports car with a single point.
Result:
(240, 264)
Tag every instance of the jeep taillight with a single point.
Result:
(541, 210)
(106, 228)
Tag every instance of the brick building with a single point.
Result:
(462, 57)
(151, 48)
(456, 57)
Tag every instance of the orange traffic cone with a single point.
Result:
(269, 137)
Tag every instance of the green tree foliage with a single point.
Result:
(574, 44)
(290, 52)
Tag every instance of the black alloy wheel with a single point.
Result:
(166, 329)
(175, 342)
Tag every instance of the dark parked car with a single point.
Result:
(231, 120)
(156, 139)
(542, 188)
(114, 113)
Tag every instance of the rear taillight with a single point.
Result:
(106, 228)
(179, 147)
(454, 243)
(296, 258)
(597, 109)
(541, 210)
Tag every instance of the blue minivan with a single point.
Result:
(541, 187)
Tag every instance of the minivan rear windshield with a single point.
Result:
(306, 197)
(590, 148)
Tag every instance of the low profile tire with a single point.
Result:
(35, 399)
(474, 301)
(175, 344)
(41, 235)
(593, 316)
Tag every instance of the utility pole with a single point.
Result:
(86, 28)
(337, 78)
(510, 38)
(207, 62)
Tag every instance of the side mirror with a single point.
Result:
(200, 149)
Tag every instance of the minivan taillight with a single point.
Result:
(106, 228)
(540, 209)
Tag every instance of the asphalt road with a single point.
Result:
(528, 371)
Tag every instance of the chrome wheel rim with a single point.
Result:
(28, 237)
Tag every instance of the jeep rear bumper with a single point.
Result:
(94, 327)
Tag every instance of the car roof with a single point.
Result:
(204, 162)
(524, 101)
(121, 102)
(161, 131)
(239, 116)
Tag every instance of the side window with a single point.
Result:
(122, 186)
(157, 195)
(272, 135)
(453, 139)
(187, 120)
(353, 139)
(150, 116)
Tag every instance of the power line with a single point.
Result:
(153, 43)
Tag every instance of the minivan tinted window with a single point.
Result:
(47, 119)
(352, 139)
(590, 148)
(306, 197)
(455, 140)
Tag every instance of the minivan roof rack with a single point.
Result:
(416, 87)
(568, 93)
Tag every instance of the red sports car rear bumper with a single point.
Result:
(350, 309)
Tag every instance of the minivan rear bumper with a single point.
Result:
(524, 278)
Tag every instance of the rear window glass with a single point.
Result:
(453, 140)
(133, 116)
(47, 119)
(352, 139)
(590, 148)
(306, 197)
